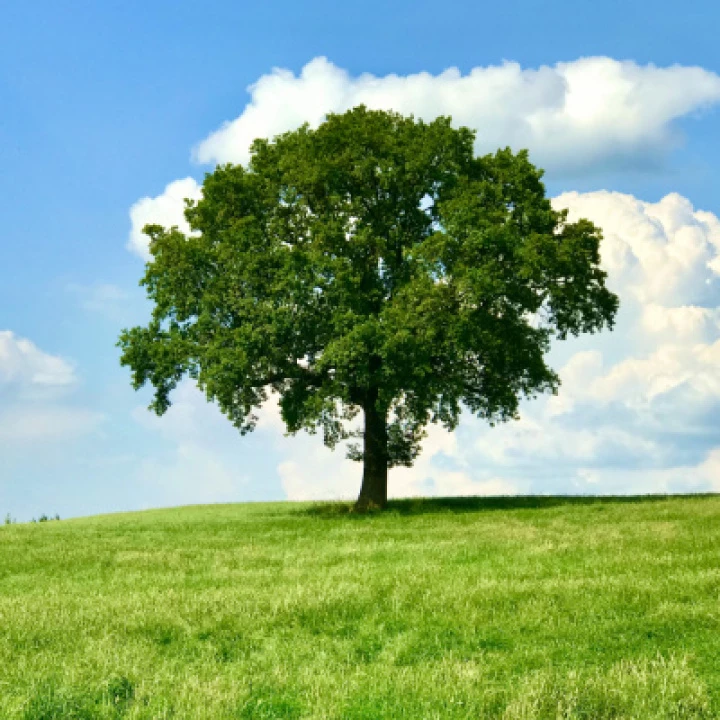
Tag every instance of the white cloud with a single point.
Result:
(663, 253)
(575, 117)
(687, 322)
(661, 259)
(33, 385)
(638, 408)
(637, 411)
(166, 209)
(23, 365)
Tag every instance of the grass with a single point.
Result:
(507, 608)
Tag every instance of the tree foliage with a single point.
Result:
(373, 264)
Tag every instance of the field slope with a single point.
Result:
(472, 608)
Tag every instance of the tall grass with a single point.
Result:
(471, 608)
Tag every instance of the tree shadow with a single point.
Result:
(424, 506)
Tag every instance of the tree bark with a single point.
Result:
(373, 492)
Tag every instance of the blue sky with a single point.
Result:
(102, 104)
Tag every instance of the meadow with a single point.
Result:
(512, 608)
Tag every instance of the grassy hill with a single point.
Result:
(472, 608)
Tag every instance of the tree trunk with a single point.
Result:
(373, 493)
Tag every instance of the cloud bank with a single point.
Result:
(639, 408)
(575, 117)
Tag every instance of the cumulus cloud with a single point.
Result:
(575, 117)
(24, 366)
(638, 409)
(33, 394)
(665, 254)
(656, 380)
(166, 209)
(637, 412)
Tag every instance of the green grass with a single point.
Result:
(468, 608)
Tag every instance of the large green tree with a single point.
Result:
(372, 265)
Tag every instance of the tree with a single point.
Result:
(373, 264)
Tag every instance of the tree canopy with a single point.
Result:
(376, 265)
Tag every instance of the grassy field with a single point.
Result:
(473, 608)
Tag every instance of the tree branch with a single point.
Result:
(313, 379)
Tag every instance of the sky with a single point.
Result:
(111, 113)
